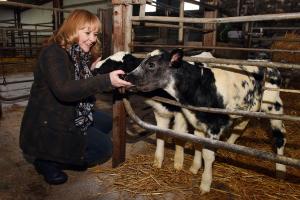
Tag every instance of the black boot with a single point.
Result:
(51, 171)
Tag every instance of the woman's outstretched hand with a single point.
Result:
(116, 81)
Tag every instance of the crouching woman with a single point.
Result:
(61, 128)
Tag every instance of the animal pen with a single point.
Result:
(122, 40)
(123, 22)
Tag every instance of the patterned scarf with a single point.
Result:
(84, 109)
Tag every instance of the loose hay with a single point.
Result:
(138, 177)
(234, 176)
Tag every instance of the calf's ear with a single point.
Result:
(176, 58)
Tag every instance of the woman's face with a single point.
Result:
(87, 38)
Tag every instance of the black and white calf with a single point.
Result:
(163, 113)
(237, 87)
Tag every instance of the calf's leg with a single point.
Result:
(163, 122)
(272, 103)
(180, 126)
(237, 131)
(209, 158)
(197, 162)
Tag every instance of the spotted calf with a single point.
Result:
(195, 84)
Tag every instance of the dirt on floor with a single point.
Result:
(235, 176)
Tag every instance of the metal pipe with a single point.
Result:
(212, 143)
(282, 90)
(267, 17)
(149, 24)
(223, 63)
(135, 44)
(228, 112)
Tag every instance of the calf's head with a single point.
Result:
(155, 71)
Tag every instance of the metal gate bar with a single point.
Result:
(212, 143)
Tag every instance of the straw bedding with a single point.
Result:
(234, 176)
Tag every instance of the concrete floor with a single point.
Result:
(19, 181)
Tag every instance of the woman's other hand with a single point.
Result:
(116, 81)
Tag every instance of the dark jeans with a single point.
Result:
(99, 143)
(98, 149)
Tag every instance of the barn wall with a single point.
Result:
(92, 8)
(36, 16)
(251, 7)
(6, 14)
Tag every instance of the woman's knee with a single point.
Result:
(102, 121)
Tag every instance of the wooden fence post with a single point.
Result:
(121, 39)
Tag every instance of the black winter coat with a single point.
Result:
(48, 130)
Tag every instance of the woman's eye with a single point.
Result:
(87, 33)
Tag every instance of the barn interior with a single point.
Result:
(266, 30)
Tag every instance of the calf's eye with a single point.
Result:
(151, 65)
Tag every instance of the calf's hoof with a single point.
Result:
(204, 188)
(157, 164)
(194, 170)
(178, 166)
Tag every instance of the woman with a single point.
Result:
(60, 127)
